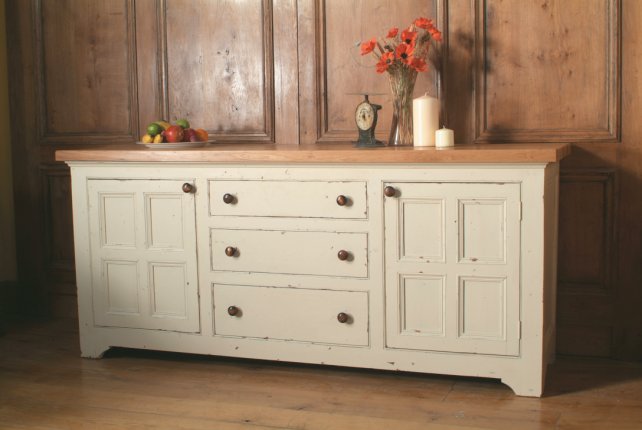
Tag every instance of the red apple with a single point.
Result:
(174, 134)
(189, 135)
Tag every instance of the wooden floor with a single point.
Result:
(45, 385)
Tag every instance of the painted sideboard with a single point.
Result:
(410, 259)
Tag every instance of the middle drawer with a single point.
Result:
(290, 252)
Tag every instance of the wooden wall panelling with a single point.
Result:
(218, 65)
(58, 242)
(547, 71)
(586, 260)
(87, 69)
(331, 67)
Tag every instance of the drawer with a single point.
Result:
(290, 252)
(307, 199)
(291, 314)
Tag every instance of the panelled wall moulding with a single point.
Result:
(338, 71)
(539, 78)
(587, 231)
(86, 83)
(208, 72)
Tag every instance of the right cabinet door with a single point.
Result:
(452, 257)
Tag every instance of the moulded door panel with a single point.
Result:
(143, 254)
(452, 267)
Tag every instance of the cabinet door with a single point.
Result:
(143, 254)
(452, 267)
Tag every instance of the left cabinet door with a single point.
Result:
(143, 254)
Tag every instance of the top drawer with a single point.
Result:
(306, 199)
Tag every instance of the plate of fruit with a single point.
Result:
(163, 135)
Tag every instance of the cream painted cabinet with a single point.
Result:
(452, 254)
(143, 254)
(422, 267)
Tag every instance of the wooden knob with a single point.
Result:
(343, 317)
(188, 188)
(389, 191)
(230, 251)
(342, 200)
(228, 198)
(233, 310)
(343, 255)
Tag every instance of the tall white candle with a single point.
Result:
(425, 120)
(444, 137)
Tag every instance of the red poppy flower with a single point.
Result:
(424, 23)
(409, 37)
(404, 53)
(435, 34)
(369, 46)
(387, 58)
(418, 64)
(392, 32)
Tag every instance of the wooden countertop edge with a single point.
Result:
(486, 153)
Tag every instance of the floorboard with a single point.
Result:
(45, 385)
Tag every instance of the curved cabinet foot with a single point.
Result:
(93, 351)
(529, 384)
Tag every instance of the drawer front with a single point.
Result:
(308, 199)
(290, 252)
(291, 314)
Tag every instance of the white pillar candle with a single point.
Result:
(425, 120)
(444, 138)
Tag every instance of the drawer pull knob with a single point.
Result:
(343, 318)
(188, 188)
(233, 311)
(230, 251)
(343, 255)
(342, 200)
(228, 198)
(389, 191)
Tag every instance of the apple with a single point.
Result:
(189, 135)
(174, 134)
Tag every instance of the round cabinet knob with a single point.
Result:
(343, 255)
(389, 191)
(343, 317)
(228, 198)
(342, 200)
(188, 188)
(230, 251)
(233, 311)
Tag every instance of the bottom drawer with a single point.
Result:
(291, 314)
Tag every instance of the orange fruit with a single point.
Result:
(201, 135)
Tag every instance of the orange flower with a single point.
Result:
(392, 32)
(387, 58)
(418, 64)
(409, 37)
(424, 23)
(404, 53)
(369, 46)
(435, 34)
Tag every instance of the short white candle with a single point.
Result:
(425, 120)
(444, 138)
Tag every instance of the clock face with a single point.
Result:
(364, 116)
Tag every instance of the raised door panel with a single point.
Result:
(329, 32)
(143, 255)
(291, 314)
(547, 70)
(219, 66)
(457, 287)
(87, 69)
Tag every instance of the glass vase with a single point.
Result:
(402, 85)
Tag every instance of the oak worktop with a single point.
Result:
(323, 153)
